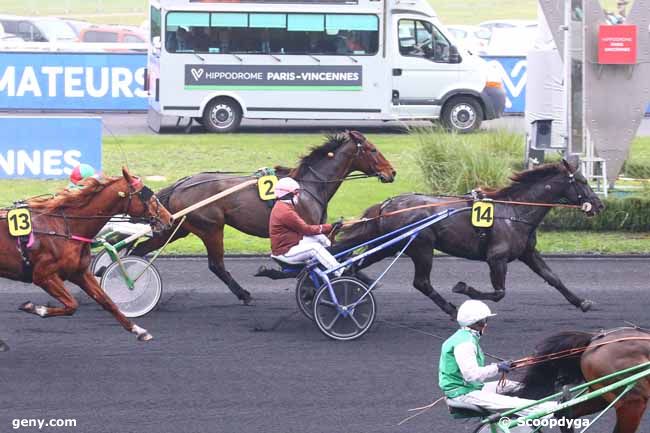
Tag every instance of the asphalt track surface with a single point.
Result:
(217, 366)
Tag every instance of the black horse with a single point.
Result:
(320, 174)
(512, 237)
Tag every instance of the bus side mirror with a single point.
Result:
(454, 55)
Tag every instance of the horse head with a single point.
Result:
(146, 204)
(577, 190)
(368, 159)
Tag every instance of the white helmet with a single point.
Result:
(471, 312)
(285, 186)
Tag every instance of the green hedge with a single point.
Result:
(628, 214)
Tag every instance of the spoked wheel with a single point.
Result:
(102, 261)
(145, 294)
(344, 321)
(305, 292)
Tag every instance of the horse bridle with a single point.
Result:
(582, 202)
(144, 194)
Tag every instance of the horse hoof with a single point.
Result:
(247, 299)
(586, 305)
(145, 336)
(27, 307)
(261, 271)
(460, 287)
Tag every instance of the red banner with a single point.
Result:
(617, 45)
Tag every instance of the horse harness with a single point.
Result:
(25, 243)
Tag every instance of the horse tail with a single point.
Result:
(541, 379)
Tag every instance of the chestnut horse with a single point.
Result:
(606, 353)
(59, 247)
(320, 174)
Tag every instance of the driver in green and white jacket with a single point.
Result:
(463, 375)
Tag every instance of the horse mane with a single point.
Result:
(72, 198)
(521, 181)
(541, 379)
(317, 153)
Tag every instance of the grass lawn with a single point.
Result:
(175, 156)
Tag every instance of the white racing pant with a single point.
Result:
(491, 398)
(313, 247)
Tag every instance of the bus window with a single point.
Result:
(422, 39)
(272, 33)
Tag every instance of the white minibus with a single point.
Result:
(219, 61)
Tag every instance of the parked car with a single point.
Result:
(8, 37)
(77, 25)
(512, 41)
(46, 29)
(508, 24)
(472, 38)
(113, 34)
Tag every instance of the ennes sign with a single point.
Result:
(617, 45)
(236, 77)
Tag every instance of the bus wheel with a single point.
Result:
(222, 115)
(462, 114)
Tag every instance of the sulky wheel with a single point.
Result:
(305, 292)
(101, 262)
(146, 291)
(344, 321)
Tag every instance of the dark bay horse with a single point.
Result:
(599, 359)
(60, 248)
(320, 174)
(512, 237)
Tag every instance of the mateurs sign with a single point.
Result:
(80, 82)
(48, 147)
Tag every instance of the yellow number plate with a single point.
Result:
(20, 222)
(483, 214)
(266, 187)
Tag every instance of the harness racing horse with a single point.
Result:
(512, 236)
(320, 174)
(606, 353)
(58, 249)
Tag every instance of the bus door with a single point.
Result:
(421, 69)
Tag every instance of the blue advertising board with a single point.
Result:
(72, 81)
(114, 82)
(48, 147)
(513, 72)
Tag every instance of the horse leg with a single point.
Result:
(88, 284)
(54, 286)
(629, 414)
(422, 258)
(156, 242)
(214, 244)
(534, 261)
(498, 271)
